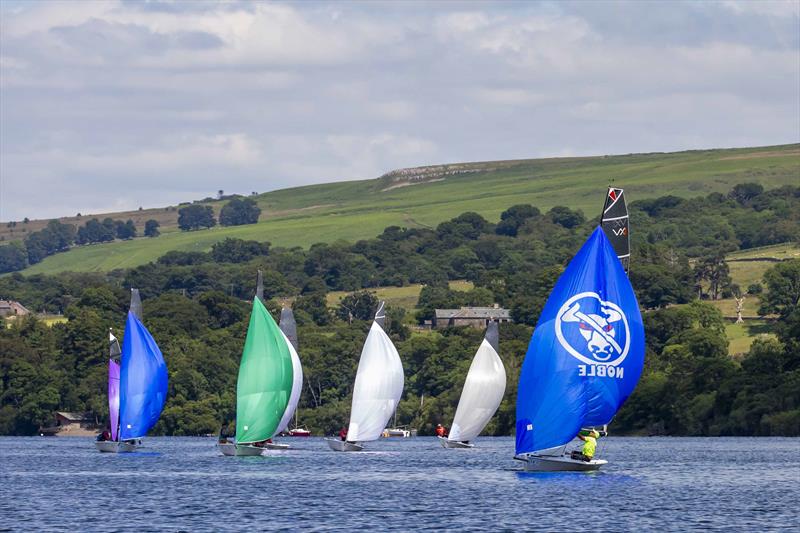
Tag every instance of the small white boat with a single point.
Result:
(299, 432)
(110, 446)
(558, 463)
(339, 445)
(446, 443)
(241, 450)
(396, 432)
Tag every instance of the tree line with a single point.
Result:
(196, 306)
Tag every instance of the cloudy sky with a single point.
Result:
(113, 105)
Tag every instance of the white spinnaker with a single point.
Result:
(483, 391)
(297, 388)
(378, 387)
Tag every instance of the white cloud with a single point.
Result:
(178, 100)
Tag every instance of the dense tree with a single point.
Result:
(238, 250)
(124, 230)
(566, 217)
(197, 304)
(239, 211)
(13, 257)
(360, 305)
(196, 216)
(151, 228)
(514, 217)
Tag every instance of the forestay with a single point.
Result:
(483, 390)
(586, 353)
(378, 386)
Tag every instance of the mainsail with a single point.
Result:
(288, 328)
(114, 352)
(265, 379)
(483, 390)
(378, 386)
(586, 353)
(616, 226)
(113, 397)
(143, 377)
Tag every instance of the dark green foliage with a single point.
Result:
(514, 217)
(55, 237)
(238, 250)
(239, 211)
(124, 230)
(566, 217)
(360, 305)
(13, 257)
(94, 231)
(197, 306)
(196, 216)
(151, 228)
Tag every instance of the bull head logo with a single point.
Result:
(597, 323)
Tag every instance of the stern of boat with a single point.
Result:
(454, 444)
(339, 445)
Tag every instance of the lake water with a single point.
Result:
(184, 484)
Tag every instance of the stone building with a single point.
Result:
(476, 317)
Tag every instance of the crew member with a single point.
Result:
(343, 434)
(589, 446)
(441, 431)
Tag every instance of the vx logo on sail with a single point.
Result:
(595, 332)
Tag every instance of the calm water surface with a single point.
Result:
(184, 484)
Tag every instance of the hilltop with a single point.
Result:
(426, 196)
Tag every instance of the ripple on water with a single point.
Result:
(184, 484)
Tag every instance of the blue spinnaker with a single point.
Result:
(586, 353)
(143, 381)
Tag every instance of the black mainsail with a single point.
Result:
(616, 226)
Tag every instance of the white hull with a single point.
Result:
(454, 443)
(339, 445)
(240, 450)
(559, 463)
(276, 446)
(110, 446)
(396, 432)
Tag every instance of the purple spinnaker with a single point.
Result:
(113, 396)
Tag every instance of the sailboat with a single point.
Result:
(482, 393)
(377, 389)
(137, 385)
(288, 326)
(584, 359)
(267, 386)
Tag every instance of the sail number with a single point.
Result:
(601, 371)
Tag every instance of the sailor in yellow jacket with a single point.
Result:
(589, 446)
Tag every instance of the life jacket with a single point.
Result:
(589, 446)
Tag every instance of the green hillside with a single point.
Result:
(428, 195)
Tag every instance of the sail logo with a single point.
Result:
(595, 332)
(620, 232)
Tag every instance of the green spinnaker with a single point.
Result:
(265, 378)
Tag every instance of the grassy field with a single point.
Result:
(405, 297)
(741, 336)
(361, 209)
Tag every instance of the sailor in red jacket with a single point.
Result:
(343, 434)
(440, 431)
